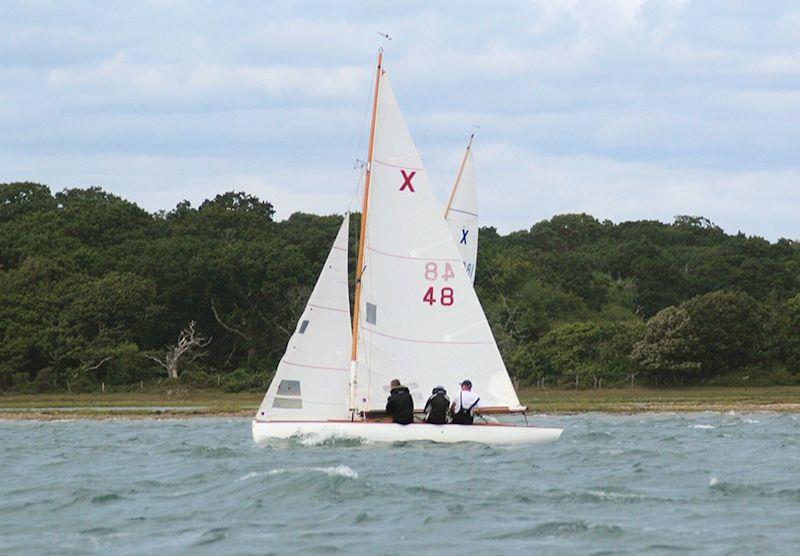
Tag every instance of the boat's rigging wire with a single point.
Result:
(359, 165)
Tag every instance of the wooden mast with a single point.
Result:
(458, 177)
(363, 236)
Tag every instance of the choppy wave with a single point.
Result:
(751, 491)
(312, 440)
(562, 529)
(336, 471)
(634, 484)
(602, 495)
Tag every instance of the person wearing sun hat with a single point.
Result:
(463, 407)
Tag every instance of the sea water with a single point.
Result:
(705, 483)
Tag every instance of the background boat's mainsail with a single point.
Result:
(313, 377)
(462, 214)
(420, 320)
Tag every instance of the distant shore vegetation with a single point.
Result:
(97, 293)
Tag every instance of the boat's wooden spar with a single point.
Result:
(365, 208)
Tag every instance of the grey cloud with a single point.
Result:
(620, 107)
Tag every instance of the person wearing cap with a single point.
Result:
(400, 405)
(436, 407)
(463, 407)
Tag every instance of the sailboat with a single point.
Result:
(461, 212)
(416, 317)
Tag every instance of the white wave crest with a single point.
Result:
(713, 481)
(616, 496)
(322, 439)
(337, 471)
(702, 427)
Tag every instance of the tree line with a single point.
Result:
(97, 292)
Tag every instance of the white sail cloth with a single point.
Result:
(462, 214)
(420, 320)
(312, 381)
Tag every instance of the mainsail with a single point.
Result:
(312, 380)
(461, 213)
(418, 318)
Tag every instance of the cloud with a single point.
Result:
(620, 191)
(626, 108)
(134, 83)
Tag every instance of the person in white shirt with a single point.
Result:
(463, 406)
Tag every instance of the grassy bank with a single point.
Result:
(634, 400)
(195, 403)
(209, 403)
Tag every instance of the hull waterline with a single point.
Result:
(263, 431)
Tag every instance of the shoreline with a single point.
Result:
(101, 415)
(213, 404)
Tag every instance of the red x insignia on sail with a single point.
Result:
(407, 180)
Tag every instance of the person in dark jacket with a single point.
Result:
(400, 405)
(437, 406)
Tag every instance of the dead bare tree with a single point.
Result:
(188, 346)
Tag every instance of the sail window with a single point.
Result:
(287, 403)
(289, 388)
(303, 326)
(372, 313)
(288, 395)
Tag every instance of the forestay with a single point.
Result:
(420, 320)
(462, 213)
(312, 380)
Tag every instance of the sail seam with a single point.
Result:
(382, 163)
(314, 366)
(378, 251)
(464, 212)
(328, 308)
(415, 341)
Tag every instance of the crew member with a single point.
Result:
(462, 408)
(436, 407)
(400, 405)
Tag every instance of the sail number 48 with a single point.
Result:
(445, 294)
(445, 297)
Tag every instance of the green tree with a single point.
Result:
(729, 329)
(670, 349)
(588, 353)
(789, 338)
(19, 198)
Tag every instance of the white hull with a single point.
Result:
(390, 432)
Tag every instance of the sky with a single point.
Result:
(624, 109)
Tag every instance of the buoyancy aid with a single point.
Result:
(464, 415)
(436, 407)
